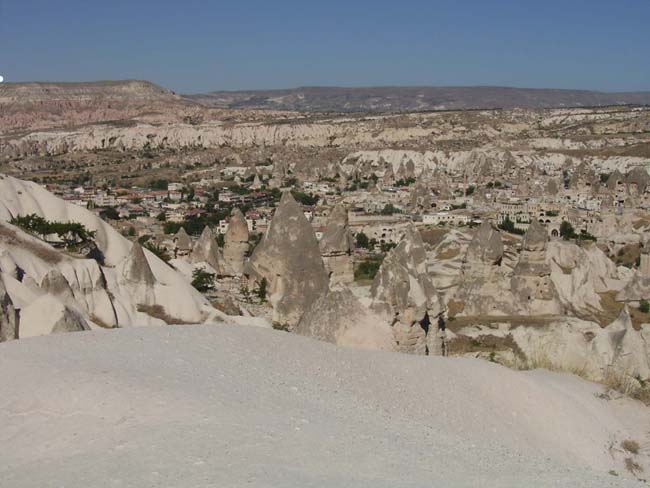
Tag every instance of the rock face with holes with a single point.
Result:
(336, 247)
(531, 282)
(289, 258)
(206, 251)
(8, 316)
(403, 291)
(236, 242)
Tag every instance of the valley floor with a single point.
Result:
(199, 406)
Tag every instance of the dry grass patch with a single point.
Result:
(627, 385)
(627, 255)
(448, 253)
(484, 343)
(101, 323)
(542, 360)
(454, 307)
(158, 312)
(630, 446)
(490, 320)
(433, 235)
(632, 466)
(612, 309)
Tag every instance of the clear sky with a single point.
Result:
(192, 46)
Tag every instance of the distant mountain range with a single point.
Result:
(44, 103)
(408, 99)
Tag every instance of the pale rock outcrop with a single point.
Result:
(9, 320)
(55, 284)
(420, 197)
(88, 284)
(403, 291)
(614, 179)
(336, 246)
(47, 315)
(182, 242)
(340, 318)
(487, 245)
(136, 268)
(110, 294)
(624, 348)
(579, 274)
(552, 187)
(637, 178)
(236, 242)
(484, 288)
(288, 257)
(638, 288)
(531, 282)
(206, 250)
(572, 344)
(257, 183)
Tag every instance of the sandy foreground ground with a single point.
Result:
(231, 406)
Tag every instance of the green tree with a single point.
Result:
(202, 280)
(389, 209)
(362, 240)
(109, 213)
(308, 200)
(567, 231)
(367, 269)
(159, 185)
(387, 246)
(157, 249)
(644, 306)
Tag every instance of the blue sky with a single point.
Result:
(192, 46)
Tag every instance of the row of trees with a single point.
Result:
(70, 233)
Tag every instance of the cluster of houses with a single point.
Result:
(379, 207)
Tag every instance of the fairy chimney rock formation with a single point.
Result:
(638, 288)
(403, 290)
(486, 246)
(288, 257)
(182, 242)
(136, 268)
(531, 282)
(336, 247)
(236, 242)
(206, 250)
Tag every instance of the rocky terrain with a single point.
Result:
(410, 99)
(233, 406)
(519, 236)
(118, 284)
